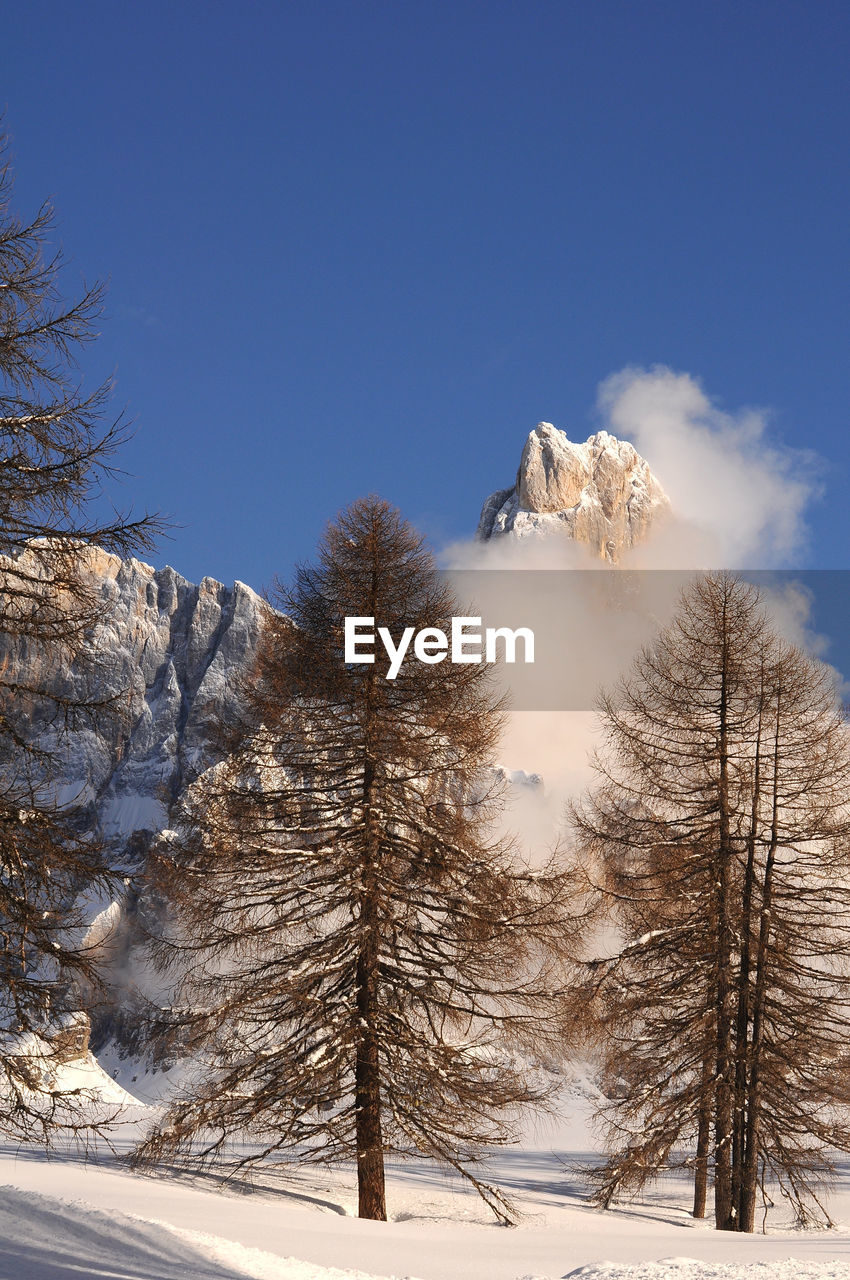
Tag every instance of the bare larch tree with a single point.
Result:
(54, 457)
(370, 956)
(721, 825)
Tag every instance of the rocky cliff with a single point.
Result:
(167, 658)
(169, 654)
(600, 493)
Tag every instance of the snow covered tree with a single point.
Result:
(368, 956)
(722, 827)
(53, 457)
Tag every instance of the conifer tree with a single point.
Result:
(54, 456)
(365, 955)
(722, 826)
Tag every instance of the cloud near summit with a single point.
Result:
(738, 497)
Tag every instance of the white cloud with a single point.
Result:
(738, 497)
(739, 500)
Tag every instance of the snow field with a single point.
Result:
(62, 1219)
(691, 1269)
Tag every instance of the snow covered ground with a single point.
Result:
(59, 1220)
(62, 1219)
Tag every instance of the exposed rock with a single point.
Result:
(553, 472)
(69, 1037)
(168, 660)
(600, 493)
(171, 654)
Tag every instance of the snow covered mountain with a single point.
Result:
(169, 658)
(170, 654)
(600, 493)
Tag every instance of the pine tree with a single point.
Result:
(54, 457)
(721, 825)
(369, 956)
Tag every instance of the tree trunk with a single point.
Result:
(724, 1217)
(367, 1071)
(367, 1101)
(749, 1190)
(742, 1028)
(703, 1140)
(371, 1191)
(754, 1101)
(701, 1167)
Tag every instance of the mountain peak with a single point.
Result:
(600, 493)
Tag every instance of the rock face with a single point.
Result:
(600, 493)
(170, 653)
(69, 1041)
(169, 657)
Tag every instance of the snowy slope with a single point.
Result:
(46, 1238)
(693, 1269)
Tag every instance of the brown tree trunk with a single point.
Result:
(751, 1148)
(742, 1028)
(371, 1192)
(701, 1167)
(367, 1100)
(703, 1140)
(749, 1180)
(723, 1215)
(749, 1190)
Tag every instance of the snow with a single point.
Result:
(45, 1238)
(131, 811)
(62, 1218)
(103, 926)
(88, 1075)
(691, 1269)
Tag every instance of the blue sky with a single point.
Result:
(361, 247)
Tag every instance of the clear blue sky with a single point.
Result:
(361, 246)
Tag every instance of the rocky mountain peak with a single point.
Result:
(600, 493)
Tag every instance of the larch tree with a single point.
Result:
(54, 456)
(362, 957)
(721, 827)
